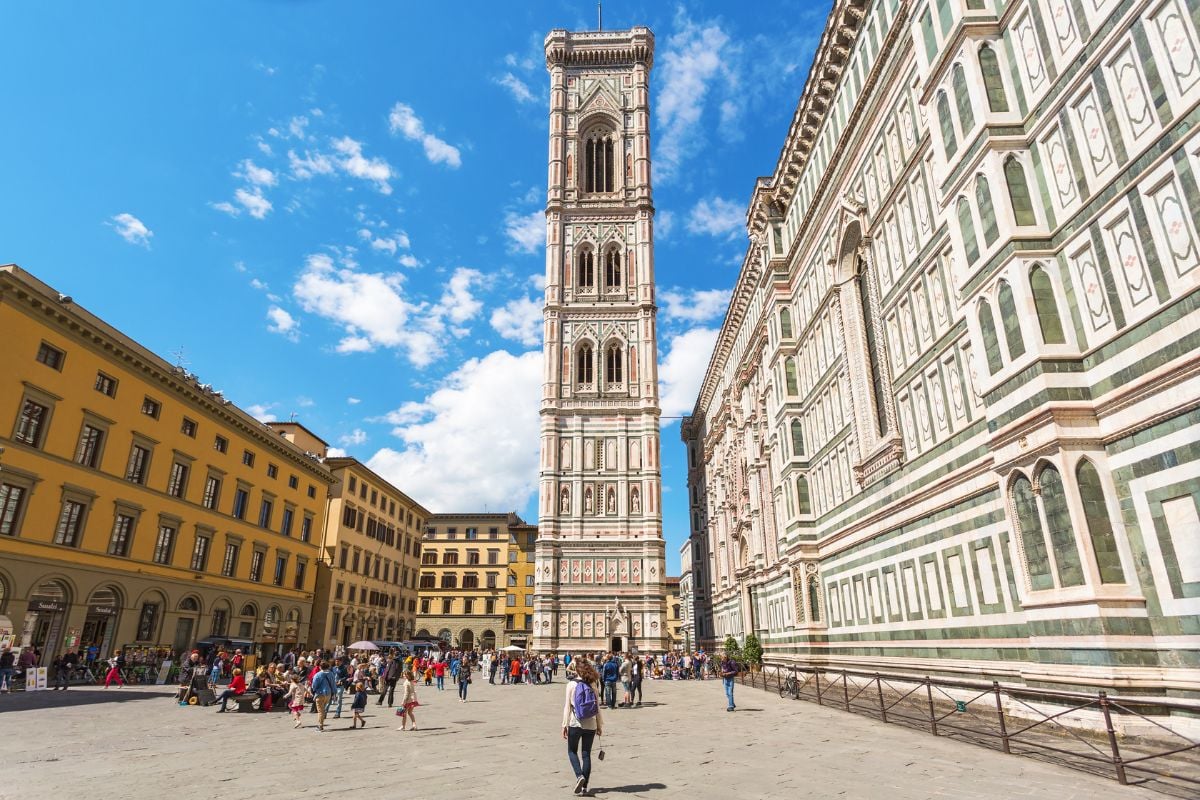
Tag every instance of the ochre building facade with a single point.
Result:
(951, 421)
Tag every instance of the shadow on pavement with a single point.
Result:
(634, 788)
(50, 699)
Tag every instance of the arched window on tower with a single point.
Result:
(1095, 511)
(612, 269)
(583, 364)
(785, 323)
(1012, 323)
(966, 227)
(1018, 192)
(966, 117)
(987, 212)
(789, 368)
(1058, 523)
(585, 277)
(868, 318)
(946, 122)
(991, 342)
(803, 501)
(598, 161)
(814, 598)
(989, 65)
(613, 372)
(797, 438)
(1033, 541)
(1042, 289)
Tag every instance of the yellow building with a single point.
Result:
(674, 614)
(138, 507)
(518, 616)
(367, 577)
(469, 566)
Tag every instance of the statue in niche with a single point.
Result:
(587, 500)
(612, 501)
(564, 501)
(635, 501)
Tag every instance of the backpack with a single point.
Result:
(584, 703)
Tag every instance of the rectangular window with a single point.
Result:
(122, 532)
(241, 499)
(300, 567)
(12, 498)
(229, 564)
(31, 423)
(472, 556)
(306, 528)
(508, 621)
(357, 561)
(342, 558)
(293, 481)
(339, 590)
(264, 513)
(256, 565)
(353, 592)
(248, 458)
(425, 606)
(177, 484)
(70, 523)
(450, 557)
(472, 533)
(147, 622)
(428, 581)
(429, 557)
(529, 580)
(493, 556)
(88, 452)
(529, 601)
(492, 580)
(272, 471)
(51, 356)
(200, 553)
(151, 407)
(470, 581)
(220, 444)
(512, 579)
(353, 484)
(446, 606)
(468, 606)
(286, 526)
(139, 459)
(374, 496)
(312, 491)
(106, 384)
(489, 606)
(188, 428)
(512, 600)
(164, 545)
(212, 491)
(512, 556)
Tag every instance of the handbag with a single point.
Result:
(399, 712)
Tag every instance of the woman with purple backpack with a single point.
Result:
(581, 720)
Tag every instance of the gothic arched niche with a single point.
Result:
(598, 168)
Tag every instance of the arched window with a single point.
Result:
(868, 315)
(1042, 289)
(993, 84)
(966, 226)
(947, 125)
(797, 438)
(1095, 511)
(1037, 562)
(1018, 192)
(803, 502)
(987, 213)
(598, 161)
(586, 272)
(814, 598)
(789, 368)
(1012, 325)
(612, 269)
(785, 323)
(1058, 521)
(966, 117)
(991, 343)
(583, 364)
(612, 364)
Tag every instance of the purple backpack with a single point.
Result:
(584, 702)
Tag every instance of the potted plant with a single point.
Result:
(752, 653)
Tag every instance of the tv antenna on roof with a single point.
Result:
(599, 16)
(179, 353)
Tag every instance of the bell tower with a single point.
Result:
(600, 581)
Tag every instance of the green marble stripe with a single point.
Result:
(1145, 57)
(916, 535)
(1137, 209)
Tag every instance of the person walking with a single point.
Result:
(464, 680)
(114, 671)
(729, 672)
(492, 665)
(7, 659)
(359, 706)
(626, 674)
(409, 702)
(439, 671)
(323, 688)
(637, 672)
(582, 721)
(390, 676)
(295, 698)
(611, 673)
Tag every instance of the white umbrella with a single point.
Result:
(363, 646)
(512, 648)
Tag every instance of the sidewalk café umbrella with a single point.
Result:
(512, 648)
(362, 646)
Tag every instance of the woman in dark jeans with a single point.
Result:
(581, 732)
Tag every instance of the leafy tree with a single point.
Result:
(732, 650)
(752, 652)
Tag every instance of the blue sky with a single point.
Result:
(334, 209)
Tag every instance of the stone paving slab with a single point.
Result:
(137, 743)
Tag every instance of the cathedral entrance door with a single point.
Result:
(616, 644)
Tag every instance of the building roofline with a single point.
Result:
(341, 462)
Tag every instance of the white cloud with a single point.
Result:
(717, 217)
(694, 58)
(355, 437)
(281, 322)
(483, 423)
(132, 229)
(336, 452)
(682, 370)
(254, 202)
(354, 163)
(664, 222)
(458, 304)
(403, 120)
(262, 286)
(694, 305)
(520, 91)
(227, 208)
(526, 232)
(311, 164)
(261, 411)
(305, 402)
(519, 320)
(386, 244)
(353, 401)
(409, 260)
(259, 176)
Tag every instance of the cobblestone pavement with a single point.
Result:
(137, 743)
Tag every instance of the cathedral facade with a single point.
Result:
(600, 579)
(951, 422)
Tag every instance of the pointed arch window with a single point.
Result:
(1018, 192)
(814, 598)
(613, 366)
(991, 343)
(1058, 524)
(966, 226)
(1033, 540)
(585, 277)
(1042, 289)
(785, 323)
(876, 363)
(803, 500)
(612, 269)
(987, 212)
(789, 369)
(962, 98)
(1012, 324)
(1095, 512)
(947, 125)
(583, 364)
(598, 161)
(993, 83)
(797, 438)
